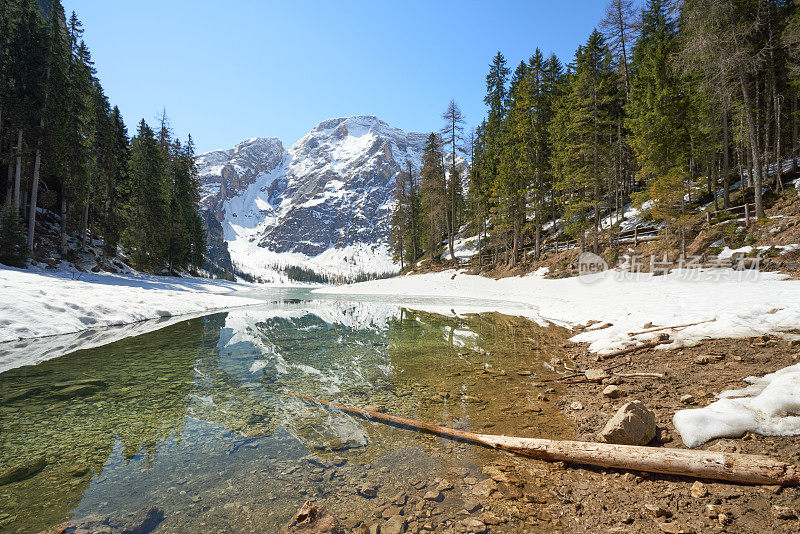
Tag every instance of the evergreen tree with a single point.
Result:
(434, 196)
(148, 201)
(13, 249)
(516, 161)
(453, 144)
(581, 136)
(659, 112)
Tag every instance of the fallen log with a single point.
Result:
(732, 467)
(657, 328)
(643, 346)
(639, 375)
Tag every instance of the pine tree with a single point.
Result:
(25, 70)
(148, 201)
(516, 161)
(659, 113)
(453, 144)
(434, 196)
(581, 136)
(117, 183)
(620, 29)
(401, 218)
(13, 249)
(55, 87)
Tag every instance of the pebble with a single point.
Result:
(657, 511)
(687, 399)
(782, 512)
(475, 526)
(595, 375)
(472, 506)
(395, 525)
(613, 392)
(675, 528)
(698, 490)
(434, 495)
(367, 490)
(576, 405)
(392, 511)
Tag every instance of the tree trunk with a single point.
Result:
(726, 174)
(754, 149)
(777, 102)
(34, 194)
(794, 125)
(18, 174)
(63, 230)
(732, 467)
(10, 183)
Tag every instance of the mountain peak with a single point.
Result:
(323, 204)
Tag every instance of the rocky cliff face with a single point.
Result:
(324, 204)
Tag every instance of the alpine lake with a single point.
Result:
(193, 419)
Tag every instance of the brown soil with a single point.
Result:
(605, 500)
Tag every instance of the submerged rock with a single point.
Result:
(633, 424)
(310, 519)
(22, 471)
(367, 490)
(143, 521)
(76, 391)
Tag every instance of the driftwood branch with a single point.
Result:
(733, 467)
(639, 375)
(657, 328)
(635, 348)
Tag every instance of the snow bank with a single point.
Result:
(40, 302)
(769, 406)
(740, 306)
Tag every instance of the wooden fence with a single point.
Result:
(747, 209)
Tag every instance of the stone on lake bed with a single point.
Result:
(392, 511)
(143, 521)
(475, 526)
(86, 382)
(367, 490)
(310, 519)
(471, 505)
(633, 424)
(22, 471)
(434, 495)
(76, 391)
(395, 525)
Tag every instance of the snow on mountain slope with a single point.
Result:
(324, 204)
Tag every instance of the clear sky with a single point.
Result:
(226, 71)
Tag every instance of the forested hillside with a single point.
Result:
(669, 106)
(66, 156)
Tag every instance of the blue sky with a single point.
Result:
(226, 71)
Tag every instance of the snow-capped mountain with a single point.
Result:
(324, 204)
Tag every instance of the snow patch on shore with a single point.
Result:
(39, 302)
(741, 307)
(769, 406)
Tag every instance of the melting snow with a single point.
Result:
(770, 406)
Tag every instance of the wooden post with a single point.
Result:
(708, 218)
(635, 236)
(747, 214)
